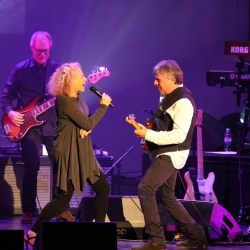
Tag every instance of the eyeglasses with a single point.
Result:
(40, 51)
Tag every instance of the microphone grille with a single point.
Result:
(92, 88)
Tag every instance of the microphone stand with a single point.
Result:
(118, 165)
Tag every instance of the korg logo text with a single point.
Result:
(240, 50)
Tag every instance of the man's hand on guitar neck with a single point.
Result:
(16, 117)
(141, 132)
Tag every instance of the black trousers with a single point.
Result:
(31, 145)
(161, 176)
(101, 187)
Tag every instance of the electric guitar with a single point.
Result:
(131, 120)
(32, 110)
(205, 186)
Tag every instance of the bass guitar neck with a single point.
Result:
(131, 120)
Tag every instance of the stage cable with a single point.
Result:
(132, 199)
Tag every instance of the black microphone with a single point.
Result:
(97, 92)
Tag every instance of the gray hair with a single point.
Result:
(170, 68)
(40, 34)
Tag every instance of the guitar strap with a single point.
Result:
(156, 114)
(49, 72)
(164, 105)
(167, 102)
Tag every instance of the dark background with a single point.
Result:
(130, 37)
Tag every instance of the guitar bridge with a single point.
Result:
(7, 129)
(206, 196)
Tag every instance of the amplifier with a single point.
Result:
(125, 211)
(11, 172)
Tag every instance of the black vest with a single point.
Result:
(165, 123)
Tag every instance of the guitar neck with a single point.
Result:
(200, 168)
(135, 125)
(87, 82)
(43, 107)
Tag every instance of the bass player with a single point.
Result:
(28, 80)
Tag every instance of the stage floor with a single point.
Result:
(13, 223)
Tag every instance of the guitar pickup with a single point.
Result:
(201, 183)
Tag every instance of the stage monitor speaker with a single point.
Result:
(11, 239)
(78, 235)
(11, 174)
(217, 222)
(124, 210)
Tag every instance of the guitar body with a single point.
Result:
(205, 187)
(16, 133)
(144, 145)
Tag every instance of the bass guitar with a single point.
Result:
(205, 186)
(131, 120)
(32, 110)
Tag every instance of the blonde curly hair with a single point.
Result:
(60, 82)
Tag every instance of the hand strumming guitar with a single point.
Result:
(16, 117)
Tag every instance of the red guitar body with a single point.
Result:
(143, 142)
(16, 133)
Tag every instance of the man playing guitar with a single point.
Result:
(27, 81)
(169, 144)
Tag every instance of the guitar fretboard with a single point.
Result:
(200, 171)
(43, 107)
